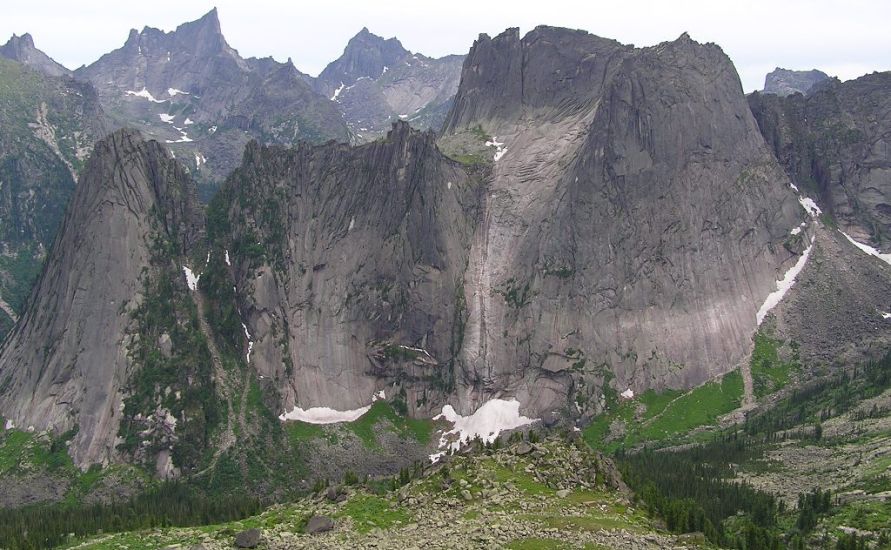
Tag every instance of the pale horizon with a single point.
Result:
(838, 38)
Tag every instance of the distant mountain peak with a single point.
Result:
(365, 56)
(22, 49)
(785, 82)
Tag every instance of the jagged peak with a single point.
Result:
(25, 40)
(209, 21)
(365, 38)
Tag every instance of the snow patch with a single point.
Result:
(449, 185)
(337, 92)
(403, 116)
(188, 122)
(797, 230)
(379, 396)
(868, 249)
(487, 422)
(166, 118)
(184, 138)
(212, 129)
(500, 149)
(10, 425)
(145, 94)
(173, 92)
(191, 278)
(199, 159)
(323, 415)
(250, 342)
(628, 394)
(783, 286)
(809, 205)
(885, 315)
(352, 224)
(227, 258)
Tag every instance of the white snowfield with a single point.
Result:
(486, 423)
(173, 92)
(323, 415)
(868, 249)
(166, 118)
(337, 92)
(886, 315)
(500, 149)
(809, 205)
(783, 285)
(327, 415)
(184, 138)
(250, 342)
(191, 278)
(145, 94)
(628, 394)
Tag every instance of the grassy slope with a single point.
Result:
(666, 414)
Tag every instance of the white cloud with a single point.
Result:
(843, 38)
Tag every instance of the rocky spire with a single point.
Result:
(22, 49)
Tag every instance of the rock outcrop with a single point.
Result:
(22, 49)
(834, 145)
(633, 225)
(783, 82)
(66, 364)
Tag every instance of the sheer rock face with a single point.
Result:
(22, 49)
(629, 232)
(66, 360)
(784, 82)
(365, 249)
(376, 81)
(834, 145)
(204, 92)
(635, 223)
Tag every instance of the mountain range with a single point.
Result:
(549, 231)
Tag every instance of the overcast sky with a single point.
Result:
(843, 38)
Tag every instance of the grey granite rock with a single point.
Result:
(66, 361)
(783, 82)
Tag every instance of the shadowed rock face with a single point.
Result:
(634, 224)
(22, 49)
(834, 145)
(783, 82)
(66, 360)
(364, 253)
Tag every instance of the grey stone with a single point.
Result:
(523, 448)
(319, 524)
(248, 539)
